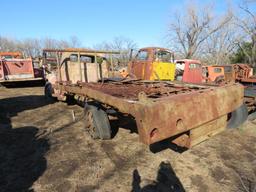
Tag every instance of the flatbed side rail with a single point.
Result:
(123, 105)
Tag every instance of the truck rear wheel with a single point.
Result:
(97, 123)
(237, 117)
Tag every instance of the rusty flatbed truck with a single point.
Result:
(187, 114)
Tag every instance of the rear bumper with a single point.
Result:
(169, 117)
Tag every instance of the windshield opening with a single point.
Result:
(164, 56)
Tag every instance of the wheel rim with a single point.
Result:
(90, 127)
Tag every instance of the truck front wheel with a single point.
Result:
(97, 123)
(48, 91)
(237, 117)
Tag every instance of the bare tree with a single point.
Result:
(7, 44)
(193, 26)
(74, 42)
(50, 43)
(30, 47)
(247, 25)
(121, 44)
(219, 47)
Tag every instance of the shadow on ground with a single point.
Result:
(21, 158)
(10, 107)
(128, 123)
(166, 181)
(23, 84)
(166, 144)
(22, 149)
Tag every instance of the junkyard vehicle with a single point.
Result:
(188, 70)
(14, 68)
(214, 73)
(185, 113)
(77, 65)
(153, 63)
(192, 71)
(240, 73)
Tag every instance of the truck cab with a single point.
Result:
(189, 71)
(192, 71)
(242, 73)
(214, 73)
(75, 65)
(153, 63)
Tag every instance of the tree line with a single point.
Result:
(32, 47)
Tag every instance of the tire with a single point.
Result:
(48, 90)
(97, 123)
(237, 117)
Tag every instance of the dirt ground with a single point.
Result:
(43, 149)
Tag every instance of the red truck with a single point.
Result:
(14, 68)
(192, 71)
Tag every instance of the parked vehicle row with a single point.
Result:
(158, 64)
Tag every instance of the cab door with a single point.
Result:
(215, 72)
(194, 73)
(163, 66)
(138, 65)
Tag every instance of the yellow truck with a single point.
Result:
(153, 63)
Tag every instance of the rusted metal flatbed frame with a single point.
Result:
(164, 109)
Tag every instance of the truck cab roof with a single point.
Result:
(156, 48)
